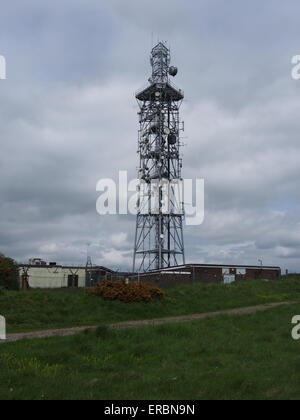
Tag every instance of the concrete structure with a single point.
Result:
(206, 273)
(40, 275)
(51, 277)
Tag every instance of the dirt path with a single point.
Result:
(151, 322)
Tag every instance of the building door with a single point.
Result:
(72, 281)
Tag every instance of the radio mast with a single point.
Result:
(159, 227)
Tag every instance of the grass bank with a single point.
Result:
(227, 357)
(46, 309)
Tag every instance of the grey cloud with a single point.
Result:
(68, 118)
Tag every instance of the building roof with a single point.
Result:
(71, 267)
(256, 267)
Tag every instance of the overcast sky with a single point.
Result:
(68, 118)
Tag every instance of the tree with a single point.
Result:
(9, 273)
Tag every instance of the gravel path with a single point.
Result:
(151, 322)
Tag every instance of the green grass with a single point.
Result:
(40, 310)
(227, 357)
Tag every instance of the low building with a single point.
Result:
(206, 273)
(41, 275)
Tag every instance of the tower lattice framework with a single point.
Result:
(159, 239)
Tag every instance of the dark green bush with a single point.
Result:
(9, 273)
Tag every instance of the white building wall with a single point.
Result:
(52, 277)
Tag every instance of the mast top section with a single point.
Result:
(160, 60)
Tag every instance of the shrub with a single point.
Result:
(127, 293)
(9, 273)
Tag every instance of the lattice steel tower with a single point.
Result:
(159, 228)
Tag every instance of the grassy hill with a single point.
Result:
(227, 357)
(38, 310)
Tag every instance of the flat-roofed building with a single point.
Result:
(52, 276)
(206, 273)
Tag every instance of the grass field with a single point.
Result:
(38, 310)
(227, 357)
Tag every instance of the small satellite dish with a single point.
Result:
(173, 71)
(172, 139)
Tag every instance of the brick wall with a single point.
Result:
(201, 274)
